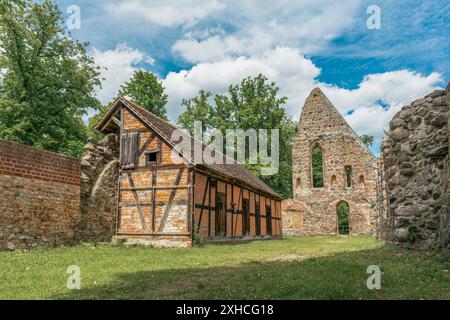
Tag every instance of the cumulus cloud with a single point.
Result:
(117, 66)
(378, 97)
(169, 13)
(291, 71)
(259, 26)
(368, 108)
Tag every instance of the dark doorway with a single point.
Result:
(258, 218)
(343, 222)
(268, 221)
(221, 217)
(245, 217)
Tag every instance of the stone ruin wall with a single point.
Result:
(99, 182)
(39, 197)
(415, 167)
(313, 211)
(47, 199)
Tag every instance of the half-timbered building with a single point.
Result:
(167, 198)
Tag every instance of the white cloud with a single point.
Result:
(291, 71)
(259, 26)
(296, 76)
(394, 89)
(117, 66)
(211, 49)
(167, 13)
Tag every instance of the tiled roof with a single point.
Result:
(233, 171)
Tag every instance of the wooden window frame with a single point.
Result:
(158, 158)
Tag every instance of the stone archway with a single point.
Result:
(343, 213)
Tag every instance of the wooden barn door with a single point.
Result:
(245, 217)
(258, 218)
(268, 220)
(221, 217)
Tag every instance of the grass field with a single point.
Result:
(293, 268)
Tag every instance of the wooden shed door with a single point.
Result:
(258, 218)
(268, 220)
(245, 217)
(221, 217)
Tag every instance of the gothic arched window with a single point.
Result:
(317, 166)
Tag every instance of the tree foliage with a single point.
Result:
(145, 89)
(252, 104)
(342, 212)
(48, 80)
(317, 166)
(367, 140)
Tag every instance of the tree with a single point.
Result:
(252, 104)
(144, 89)
(48, 80)
(367, 140)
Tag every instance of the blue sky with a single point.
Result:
(369, 74)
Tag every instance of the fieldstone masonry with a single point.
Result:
(313, 211)
(99, 176)
(415, 164)
(47, 199)
(39, 197)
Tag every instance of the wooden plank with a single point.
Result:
(146, 144)
(169, 204)
(119, 181)
(115, 120)
(135, 204)
(191, 201)
(209, 211)
(138, 205)
(154, 173)
(203, 205)
(237, 208)
(226, 209)
(157, 188)
(173, 234)
(232, 211)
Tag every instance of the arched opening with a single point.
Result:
(298, 184)
(343, 211)
(333, 181)
(317, 166)
(361, 181)
(348, 176)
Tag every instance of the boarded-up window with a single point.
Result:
(129, 150)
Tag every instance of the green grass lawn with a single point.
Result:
(293, 268)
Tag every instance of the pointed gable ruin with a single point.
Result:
(333, 173)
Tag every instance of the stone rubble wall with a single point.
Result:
(47, 199)
(39, 197)
(99, 182)
(413, 159)
(313, 211)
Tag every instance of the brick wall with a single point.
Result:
(39, 197)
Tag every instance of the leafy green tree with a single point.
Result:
(367, 140)
(317, 166)
(48, 81)
(342, 212)
(145, 89)
(252, 104)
